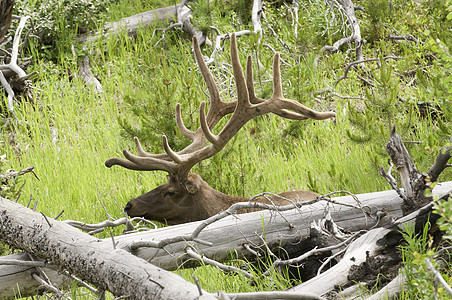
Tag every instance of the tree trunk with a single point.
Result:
(229, 234)
(97, 262)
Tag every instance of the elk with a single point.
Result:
(186, 197)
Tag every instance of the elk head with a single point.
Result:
(186, 197)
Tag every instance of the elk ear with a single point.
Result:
(192, 184)
(192, 187)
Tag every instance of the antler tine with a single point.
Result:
(277, 86)
(217, 107)
(283, 107)
(244, 109)
(243, 99)
(204, 126)
(180, 125)
(140, 163)
(140, 150)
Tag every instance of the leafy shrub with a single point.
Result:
(53, 16)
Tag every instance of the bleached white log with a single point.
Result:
(85, 256)
(133, 23)
(231, 233)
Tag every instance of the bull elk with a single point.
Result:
(186, 197)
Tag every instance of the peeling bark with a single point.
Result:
(100, 264)
(414, 182)
(234, 232)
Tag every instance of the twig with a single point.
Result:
(391, 180)
(49, 286)
(348, 8)
(273, 295)
(26, 263)
(81, 282)
(113, 240)
(347, 69)
(13, 174)
(90, 228)
(255, 253)
(315, 251)
(219, 42)
(233, 210)
(408, 38)
(164, 30)
(198, 285)
(440, 163)
(101, 203)
(319, 271)
(438, 276)
(274, 52)
(214, 263)
(45, 217)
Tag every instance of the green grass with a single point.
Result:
(70, 131)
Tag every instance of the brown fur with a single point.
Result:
(193, 200)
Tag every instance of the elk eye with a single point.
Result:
(170, 193)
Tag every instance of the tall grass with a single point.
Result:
(69, 132)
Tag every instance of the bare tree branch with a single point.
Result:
(438, 276)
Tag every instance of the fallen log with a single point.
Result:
(105, 266)
(133, 23)
(234, 232)
(370, 245)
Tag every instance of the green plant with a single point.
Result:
(444, 209)
(71, 131)
(373, 120)
(416, 250)
(379, 11)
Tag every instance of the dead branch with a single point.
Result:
(348, 9)
(11, 174)
(49, 286)
(231, 233)
(99, 227)
(316, 251)
(132, 24)
(87, 76)
(414, 182)
(14, 67)
(368, 245)
(400, 37)
(347, 69)
(214, 263)
(256, 14)
(391, 180)
(240, 207)
(272, 295)
(440, 163)
(438, 276)
(355, 255)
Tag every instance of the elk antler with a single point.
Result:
(246, 107)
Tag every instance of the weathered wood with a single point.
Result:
(12, 277)
(231, 233)
(133, 23)
(85, 256)
(355, 255)
(87, 76)
(370, 244)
